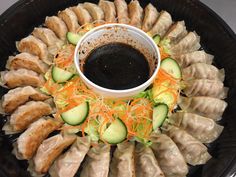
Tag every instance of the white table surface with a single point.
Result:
(225, 8)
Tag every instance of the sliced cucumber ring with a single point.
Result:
(160, 113)
(76, 115)
(157, 39)
(73, 38)
(115, 133)
(171, 67)
(60, 76)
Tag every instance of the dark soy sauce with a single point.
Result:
(116, 66)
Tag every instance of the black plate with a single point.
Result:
(216, 38)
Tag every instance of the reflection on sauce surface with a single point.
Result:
(116, 66)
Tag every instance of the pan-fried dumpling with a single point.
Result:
(26, 114)
(206, 106)
(150, 17)
(176, 32)
(95, 11)
(190, 43)
(82, 14)
(70, 19)
(68, 163)
(48, 151)
(146, 163)
(194, 57)
(202, 71)
(21, 77)
(202, 128)
(34, 46)
(97, 161)
(58, 26)
(135, 14)
(27, 61)
(122, 11)
(194, 152)
(168, 156)
(109, 10)
(162, 24)
(122, 163)
(205, 87)
(49, 38)
(29, 141)
(19, 96)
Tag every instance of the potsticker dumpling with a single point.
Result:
(206, 106)
(82, 14)
(27, 61)
(19, 96)
(48, 151)
(95, 11)
(194, 57)
(162, 24)
(176, 32)
(109, 10)
(26, 114)
(67, 164)
(97, 161)
(190, 43)
(21, 77)
(202, 71)
(36, 47)
(150, 17)
(194, 152)
(122, 163)
(49, 38)
(146, 163)
(29, 141)
(168, 156)
(57, 25)
(202, 128)
(205, 87)
(122, 11)
(70, 19)
(135, 14)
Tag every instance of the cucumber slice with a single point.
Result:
(171, 67)
(73, 38)
(76, 115)
(157, 39)
(60, 76)
(160, 113)
(116, 132)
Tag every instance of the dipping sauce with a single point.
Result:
(116, 66)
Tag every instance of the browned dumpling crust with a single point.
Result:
(27, 61)
(176, 32)
(34, 46)
(19, 96)
(57, 25)
(82, 14)
(26, 114)
(135, 14)
(162, 24)
(150, 17)
(21, 77)
(194, 152)
(122, 11)
(95, 11)
(48, 151)
(109, 10)
(68, 163)
(70, 19)
(29, 141)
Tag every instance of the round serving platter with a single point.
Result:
(216, 38)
